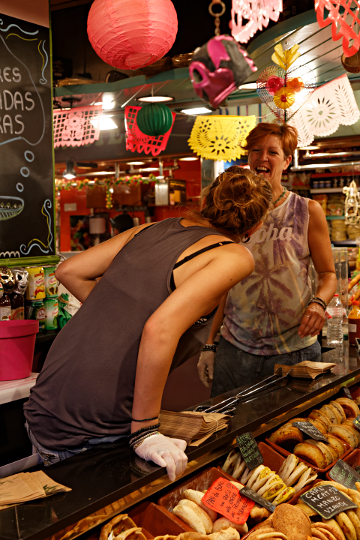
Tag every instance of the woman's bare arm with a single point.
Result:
(321, 254)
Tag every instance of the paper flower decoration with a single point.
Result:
(285, 59)
(295, 84)
(274, 83)
(250, 16)
(344, 20)
(284, 98)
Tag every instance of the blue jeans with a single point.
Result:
(235, 367)
(49, 457)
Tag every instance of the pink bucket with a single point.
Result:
(17, 344)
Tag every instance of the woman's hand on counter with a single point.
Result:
(165, 452)
(312, 321)
(205, 367)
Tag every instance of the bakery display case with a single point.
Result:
(111, 480)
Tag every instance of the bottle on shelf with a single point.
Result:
(354, 322)
(335, 322)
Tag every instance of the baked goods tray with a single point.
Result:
(286, 453)
(155, 519)
(198, 482)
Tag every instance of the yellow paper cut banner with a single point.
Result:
(220, 137)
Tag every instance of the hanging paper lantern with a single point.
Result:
(132, 34)
(154, 119)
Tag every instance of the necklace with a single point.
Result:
(281, 196)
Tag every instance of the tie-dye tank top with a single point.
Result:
(263, 312)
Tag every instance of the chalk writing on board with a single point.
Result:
(344, 474)
(327, 501)
(249, 450)
(35, 242)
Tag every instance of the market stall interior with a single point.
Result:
(106, 166)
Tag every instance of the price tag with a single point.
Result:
(344, 474)
(249, 450)
(356, 422)
(310, 430)
(257, 498)
(327, 501)
(347, 392)
(223, 497)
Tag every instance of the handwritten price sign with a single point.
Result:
(223, 497)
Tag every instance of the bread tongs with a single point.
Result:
(228, 406)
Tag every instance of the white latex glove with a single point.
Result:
(165, 452)
(205, 367)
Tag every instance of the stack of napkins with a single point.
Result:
(23, 487)
(306, 369)
(193, 427)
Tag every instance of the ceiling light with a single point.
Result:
(248, 86)
(188, 158)
(108, 101)
(105, 122)
(150, 169)
(98, 103)
(311, 147)
(69, 172)
(198, 110)
(136, 162)
(155, 99)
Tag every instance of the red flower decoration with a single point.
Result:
(295, 84)
(274, 83)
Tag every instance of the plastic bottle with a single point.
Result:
(334, 323)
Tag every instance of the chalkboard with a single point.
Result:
(26, 147)
(248, 492)
(344, 474)
(310, 430)
(249, 450)
(327, 501)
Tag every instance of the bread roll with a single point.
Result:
(230, 460)
(190, 516)
(226, 534)
(239, 467)
(319, 424)
(310, 453)
(334, 528)
(355, 521)
(340, 410)
(346, 526)
(295, 475)
(292, 522)
(350, 408)
(196, 496)
(324, 448)
(288, 467)
(116, 526)
(224, 523)
(337, 443)
(331, 413)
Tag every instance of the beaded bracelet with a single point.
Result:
(209, 347)
(145, 419)
(142, 439)
(317, 300)
(143, 430)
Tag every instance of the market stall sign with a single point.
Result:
(327, 501)
(344, 474)
(223, 497)
(247, 492)
(249, 450)
(356, 422)
(311, 431)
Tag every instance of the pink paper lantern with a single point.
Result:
(130, 34)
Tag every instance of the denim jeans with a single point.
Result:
(235, 367)
(49, 457)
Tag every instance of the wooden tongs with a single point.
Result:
(228, 406)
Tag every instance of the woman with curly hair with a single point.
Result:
(152, 310)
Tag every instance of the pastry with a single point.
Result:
(117, 525)
(350, 408)
(226, 534)
(131, 534)
(318, 423)
(337, 443)
(324, 448)
(254, 474)
(310, 453)
(292, 522)
(340, 410)
(346, 526)
(331, 413)
(239, 467)
(355, 521)
(288, 466)
(258, 513)
(272, 478)
(315, 413)
(334, 528)
(261, 479)
(224, 523)
(295, 475)
(230, 460)
(346, 434)
(193, 516)
(286, 437)
(306, 478)
(284, 495)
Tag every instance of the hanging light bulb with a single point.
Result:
(69, 172)
(352, 204)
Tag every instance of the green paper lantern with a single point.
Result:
(154, 119)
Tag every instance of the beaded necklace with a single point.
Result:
(281, 196)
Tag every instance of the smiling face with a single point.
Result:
(267, 158)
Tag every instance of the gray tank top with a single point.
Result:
(85, 389)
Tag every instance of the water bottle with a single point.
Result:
(334, 324)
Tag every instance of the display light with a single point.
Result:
(69, 172)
